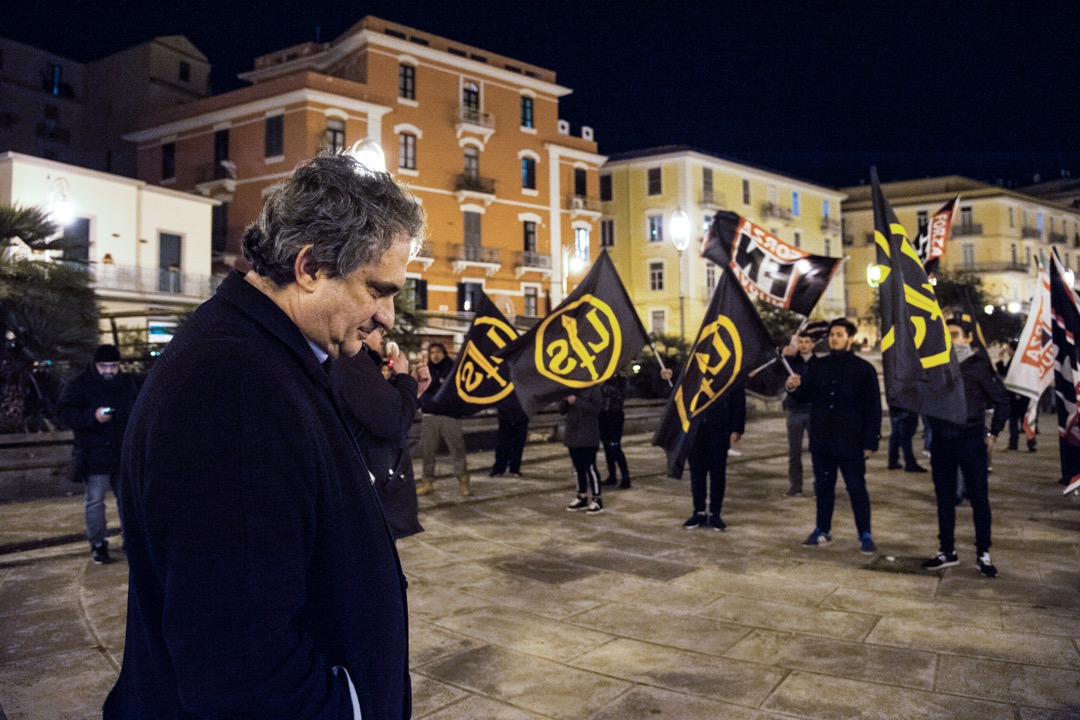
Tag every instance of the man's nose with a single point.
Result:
(384, 313)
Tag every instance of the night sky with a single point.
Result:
(819, 90)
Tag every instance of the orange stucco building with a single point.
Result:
(511, 195)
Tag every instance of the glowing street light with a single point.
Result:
(873, 275)
(989, 309)
(370, 154)
(680, 238)
(61, 211)
(1014, 307)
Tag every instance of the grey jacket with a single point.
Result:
(582, 418)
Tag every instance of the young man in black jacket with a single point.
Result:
(845, 426)
(966, 447)
(721, 426)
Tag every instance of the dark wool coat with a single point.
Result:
(380, 413)
(583, 418)
(983, 390)
(97, 445)
(440, 371)
(725, 416)
(845, 404)
(259, 556)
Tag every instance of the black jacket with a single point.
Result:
(983, 391)
(97, 445)
(259, 558)
(582, 418)
(380, 413)
(440, 371)
(798, 366)
(725, 416)
(845, 404)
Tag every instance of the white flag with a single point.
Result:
(1032, 368)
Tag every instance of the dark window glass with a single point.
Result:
(529, 229)
(417, 290)
(528, 173)
(407, 82)
(468, 296)
(185, 71)
(581, 188)
(407, 151)
(75, 244)
(219, 227)
(168, 161)
(470, 96)
(275, 136)
(472, 229)
(526, 111)
(169, 263)
(654, 184)
(605, 187)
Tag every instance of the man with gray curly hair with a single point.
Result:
(263, 576)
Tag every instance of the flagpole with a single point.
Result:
(660, 360)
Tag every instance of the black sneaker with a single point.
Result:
(985, 566)
(696, 520)
(580, 503)
(100, 554)
(595, 507)
(916, 468)
(817, 539)
(625, 484)
(941, 560)
(609, 481)
(793, 491)
(716, 523)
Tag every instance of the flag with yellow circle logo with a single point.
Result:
(921, 371)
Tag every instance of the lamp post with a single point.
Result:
(680, 238)
(370, 154)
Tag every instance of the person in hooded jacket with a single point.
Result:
(582, 411)
(436, 426)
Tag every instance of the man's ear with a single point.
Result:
(305, 270)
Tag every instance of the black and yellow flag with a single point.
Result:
(478, 379)
(732, 341)
(581, 343)
(921, 372)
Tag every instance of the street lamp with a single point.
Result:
(680, 238)
(370, 154)
(61, 211)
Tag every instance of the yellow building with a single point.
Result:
(996, 233)
(510, 193)
(639, 192)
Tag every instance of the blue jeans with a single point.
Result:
(96, 487)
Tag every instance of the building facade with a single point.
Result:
(641, 190)
(511, 195)
(147, 248)
(77, 113)
(997, 233)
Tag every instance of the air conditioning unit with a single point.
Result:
(577, 203)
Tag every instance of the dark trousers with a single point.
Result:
(826, 466)
(967, 453)
(611, 430)
(709, 457)
(509, 445)
(588, 480)
(798, 425)
(903, 426)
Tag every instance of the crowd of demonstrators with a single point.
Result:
(582, 437)
(380, 410)
(96, 405)
(966, 447)
(798, 413)
(612, 418)
(436, 426)
(845, 426)
(263, 579)
(511, 436)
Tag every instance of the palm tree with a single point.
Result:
(48, 320)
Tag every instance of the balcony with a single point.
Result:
(712, 199)
(528, 261)
(967, 229)
(988, 267)
(475, 256)
(1030, 232)
(148, 281)
(216, 180)
(582, 205)
(425, 256)
(829, 224)
(1056, 237)
(775, 210)
(475, 121)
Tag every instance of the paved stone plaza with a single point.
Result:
(520, 609)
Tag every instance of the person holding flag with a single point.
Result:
(582, 437)
(437, 424)
(845, 426)
(798, 413)
(966, 447)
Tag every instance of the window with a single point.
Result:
(798, 239)
(1012, 219)
(169, 263)
(656, 276)
(472, 229)
(219, 227)
(275, 137)
(607, 233)
(472, 163)
(528, 173)
(656, 228)
(185, 71)
(655, 187)
(825, 209)
(795, 209)
(530, 301)
(605, 187)
(75, 243)
(968, 254)
(828, 247)
(468, 294)
(581, 180)
(1013, 248)
(1027, 255)
(745, 192)
(967, 218)
(407, 151)
(526, 111)
(922, 220)
(581, 243)
(528, 229)
(416, 290)
(406, 82)
(1039, 221)
(221, 152)
(470, 96)
(334, 139)
(706, 183)
(710, 276)
(168, 161)
(658, 322)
